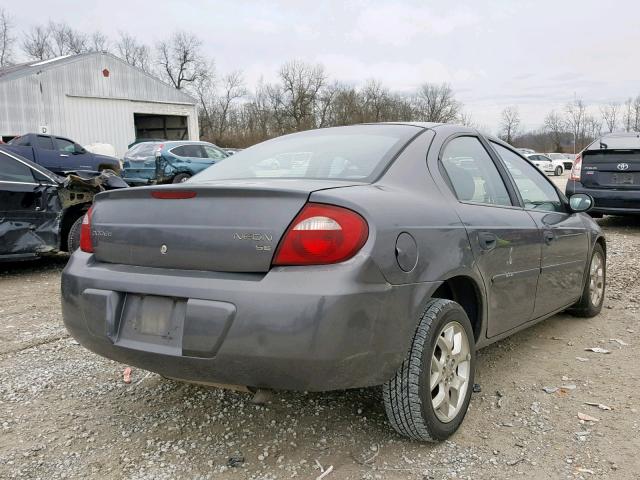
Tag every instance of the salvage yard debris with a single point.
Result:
(587, 418)
(601, 406)
(126, 375)
(597, 350)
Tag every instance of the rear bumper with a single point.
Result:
(608, 201)
(305, 328)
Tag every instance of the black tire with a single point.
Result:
(407, 396)
(558, 171)
(585, 306)
(73, 237)
(181, 177)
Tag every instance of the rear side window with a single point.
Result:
(191, 151)
(536, 191)
(42, 141)
(472, 173)
(20, 141)
(358, 153)
(13, 171)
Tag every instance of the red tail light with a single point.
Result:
(86, 245)
(576, 170)
(173, 194)
(322, 234)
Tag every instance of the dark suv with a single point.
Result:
(609, 170)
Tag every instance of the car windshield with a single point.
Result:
(345, 153)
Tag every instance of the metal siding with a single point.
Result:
(68, 103)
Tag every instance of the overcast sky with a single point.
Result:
(534, 54)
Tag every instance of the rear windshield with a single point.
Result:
(622, 142)
(146, 149)
(358, 152)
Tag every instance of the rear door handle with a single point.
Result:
(548, 237)
(487, 240)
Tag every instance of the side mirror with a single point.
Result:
(581, 202)
(79, 150)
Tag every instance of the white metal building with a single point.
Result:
(93, 98)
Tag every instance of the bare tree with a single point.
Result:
(37, 43)
(232, 90)
(466, 119)
(375, 100)
(65, 41)
(98, 42)
(592, 128)
(576, 119)
(133, 52)
(636, 114)
(510, 124)
(204, 90)
(7, 40)
(77, 42)
(610, 113)
(436, 103)
(181, 61)
(301, 84)
(555, 126)
(627, 115)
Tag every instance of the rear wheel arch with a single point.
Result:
(465, 291)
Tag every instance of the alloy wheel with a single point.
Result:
(596, 279)
(450, 371)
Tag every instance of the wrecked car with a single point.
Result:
(152, 163)
(41, 212)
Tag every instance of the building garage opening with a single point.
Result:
(167, 127)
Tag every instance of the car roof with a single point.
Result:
(174, 143)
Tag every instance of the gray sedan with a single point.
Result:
(382, 254)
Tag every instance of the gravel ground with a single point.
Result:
(66, 413)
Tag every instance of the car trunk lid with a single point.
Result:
(230, 226)
(613, 169)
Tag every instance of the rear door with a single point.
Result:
(564, 239)
(45, 153)
(504, 238)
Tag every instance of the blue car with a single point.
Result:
(153, 163)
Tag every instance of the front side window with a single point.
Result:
(359, 153)
(214, 153)
(65, 145)
(536, 191)
(13, 171)
(473, 174)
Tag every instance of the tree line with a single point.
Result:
(572, 127)
(303, 96)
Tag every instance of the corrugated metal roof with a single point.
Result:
(29, 68)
